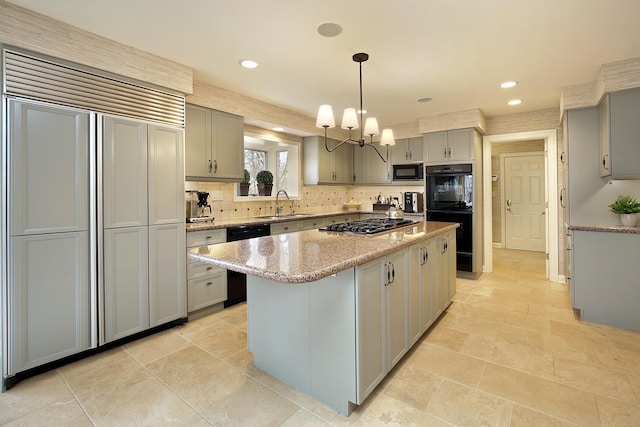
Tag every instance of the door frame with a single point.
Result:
(551, 188)
(503, 216)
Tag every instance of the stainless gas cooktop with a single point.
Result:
(368, 226)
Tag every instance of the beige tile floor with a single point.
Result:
(508, 352)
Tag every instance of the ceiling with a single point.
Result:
(456, 52)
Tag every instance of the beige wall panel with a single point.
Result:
(455, 120)
(524, 122)
(25, 29)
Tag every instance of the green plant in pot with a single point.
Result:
(265, 183)
(244, 185)
(628, 208)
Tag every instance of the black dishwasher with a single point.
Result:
(237, 282)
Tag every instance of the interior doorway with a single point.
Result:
(523, 195)
(551, 196)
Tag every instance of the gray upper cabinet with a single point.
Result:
(407, 150)
(324, 167)
(214, 146)
(449, 146)
(124, 172)
(166, 175)
(49, 184)
(620, 135)
(369, 167)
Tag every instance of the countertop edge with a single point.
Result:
(605, 228)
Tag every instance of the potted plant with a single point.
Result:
(628, 208)
(244, 185)
(265, 183)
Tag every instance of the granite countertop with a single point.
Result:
(225, 223)
(606, 228)
(311, 255)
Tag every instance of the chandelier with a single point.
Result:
(350, 121)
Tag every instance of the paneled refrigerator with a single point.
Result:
(92, 212)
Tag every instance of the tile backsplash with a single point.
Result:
(312, 199)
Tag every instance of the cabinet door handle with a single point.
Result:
(604, 162)
(562, 202)
(215, 166)
(562, 157)
(386, 267)
(393, 272)
(426, 255)
(209, 283)
(209, 268)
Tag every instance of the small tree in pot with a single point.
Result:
(244, 185)
(265, 183)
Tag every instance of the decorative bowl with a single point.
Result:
(352, 206)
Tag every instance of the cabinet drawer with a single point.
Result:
(207, 291)
(207, 237)
(311, 224)
(197, 269)
(285, 227)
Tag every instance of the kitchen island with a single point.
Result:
(331, 313)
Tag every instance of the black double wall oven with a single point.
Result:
(449, 198)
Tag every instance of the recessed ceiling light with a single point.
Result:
(424, 99)
(515, 102)
(507, 85)
(277, 129)
(248, 63)
(329, 29)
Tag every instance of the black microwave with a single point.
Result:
(408, 172)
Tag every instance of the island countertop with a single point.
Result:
(311, 255)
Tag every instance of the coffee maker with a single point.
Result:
(413, 202)
(196, 206)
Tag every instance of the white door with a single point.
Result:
(524, 202)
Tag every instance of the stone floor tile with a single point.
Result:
(413, 386)
(155, 346)
(464, 406)
(617, 414)
(544, 395)
(60, 413)
(33, 395)
(525, 417)
(446, 363)
(446, 338)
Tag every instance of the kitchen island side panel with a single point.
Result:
(304, 335)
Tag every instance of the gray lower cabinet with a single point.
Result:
(420, 269)
(167, 289)
(605, 273)
(126, 278)
(48, 300)
(382, 327)
(284, 227)
(206, 284)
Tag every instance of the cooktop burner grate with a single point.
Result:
(368, 226)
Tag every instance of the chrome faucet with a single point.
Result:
(278, 207)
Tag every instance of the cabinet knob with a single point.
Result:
(209, 283)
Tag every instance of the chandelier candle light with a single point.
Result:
(350, 121)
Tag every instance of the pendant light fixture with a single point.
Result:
(350, 121)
